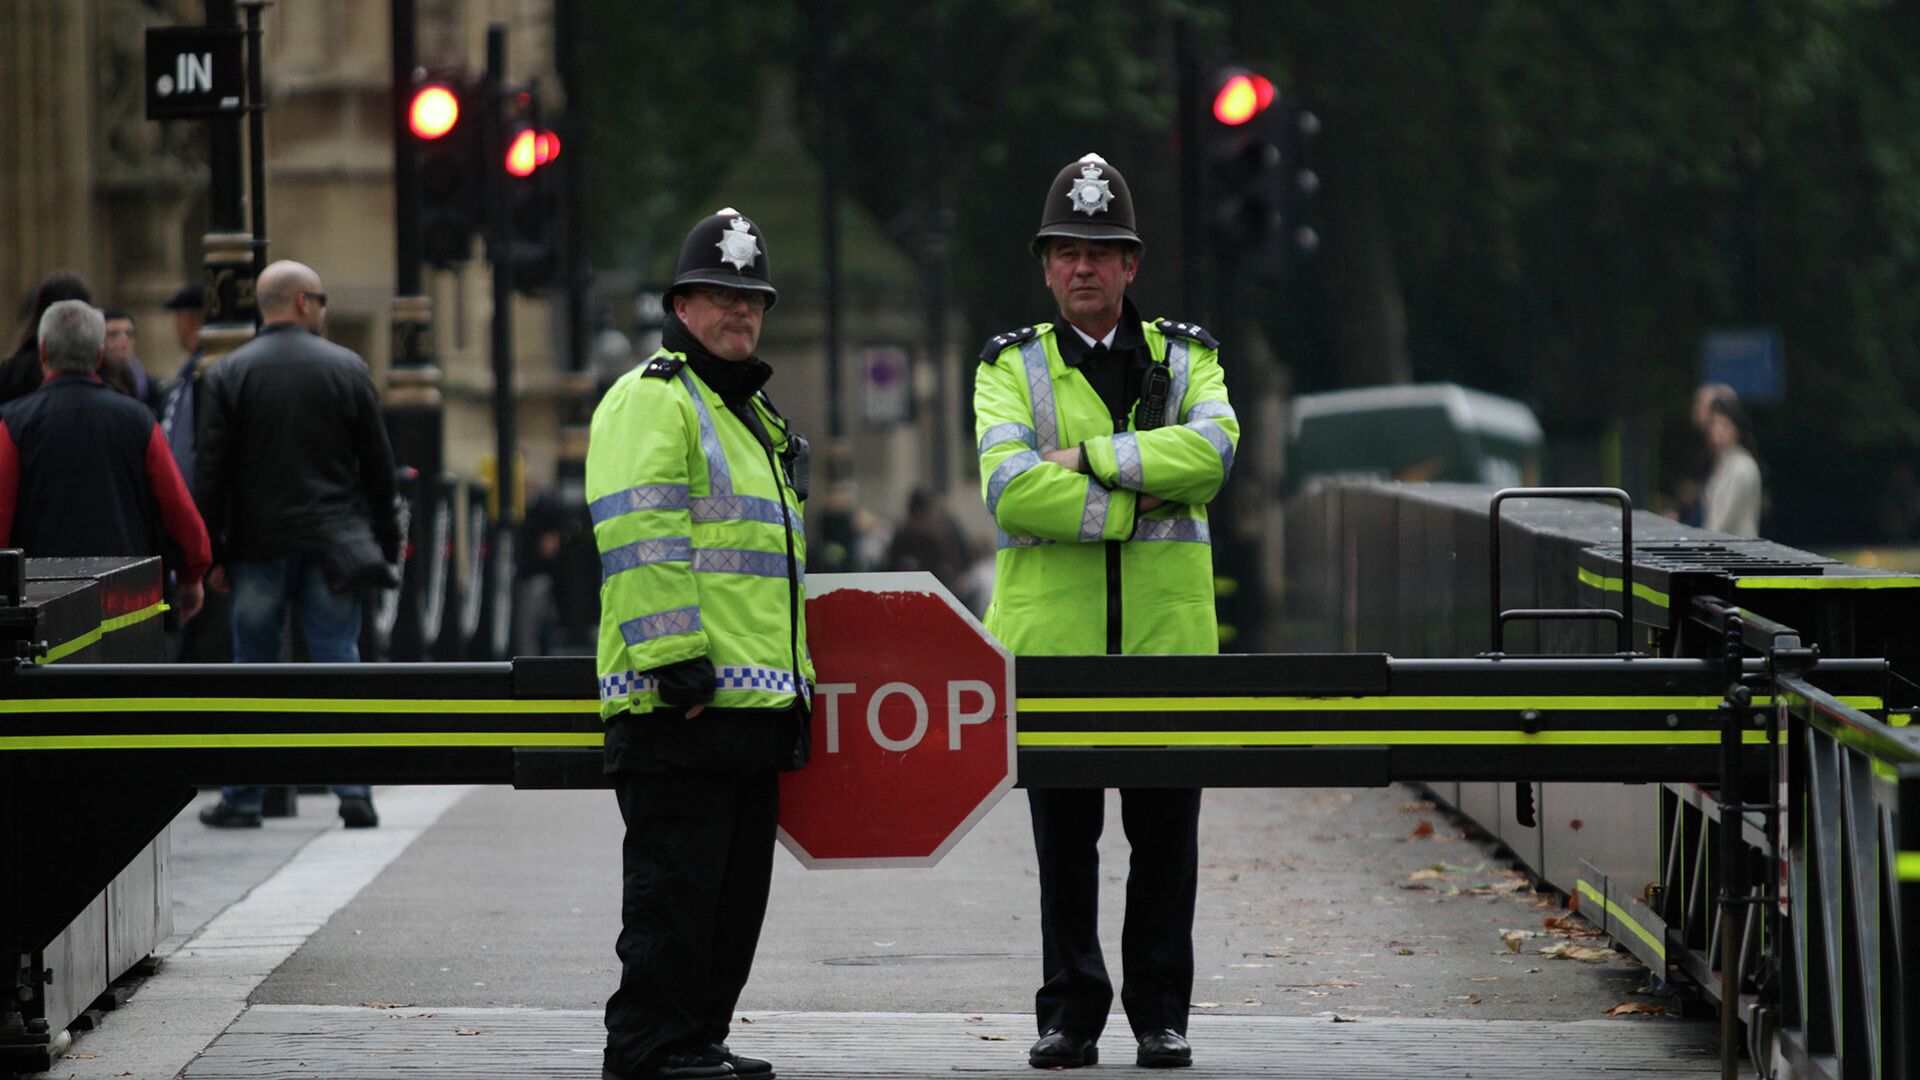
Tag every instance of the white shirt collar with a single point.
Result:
(1107, 341)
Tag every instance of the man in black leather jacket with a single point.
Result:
(296, 481)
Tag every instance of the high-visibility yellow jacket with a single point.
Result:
(1080, 571)
(702, 549)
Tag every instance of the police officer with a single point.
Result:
(1102, 440)
(704, 675)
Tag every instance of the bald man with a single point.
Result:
(296, 480)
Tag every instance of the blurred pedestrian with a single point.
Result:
(1102, 439)
(1730, 502)
(84, 471)
(122, 369)
(296, 479)
(180, 400)
(929, 539)
(694, 483)
(20, 372)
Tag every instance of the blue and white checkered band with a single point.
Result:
(1007, 433)
(645, 553)
(1211, 410)
(1013, 466)
(1009, 540)
(719, 478)
(709, 509)
(1093, 514)
(1126, 456)
(1223, 445)
(1190, 530)
(618, 686)
(1177, 376)
(1046, 423)
(748, 677)
(660, 624)
(642, 497)
(736, 561)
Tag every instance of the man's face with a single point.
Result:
(310, 309)
(186, 328)
(120, 340)
(1088, 279)
(726, 321)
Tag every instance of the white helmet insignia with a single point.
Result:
(739, 247)
(1090, 194)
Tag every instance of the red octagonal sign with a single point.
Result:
(913, 724)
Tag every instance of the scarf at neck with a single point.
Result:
(736, 381)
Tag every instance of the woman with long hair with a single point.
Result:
(20, 371)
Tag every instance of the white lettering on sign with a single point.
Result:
(956, 718)
(959, 716)
(919, 717)
(831, 691)
(193, 72)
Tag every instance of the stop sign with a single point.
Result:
(913, 727)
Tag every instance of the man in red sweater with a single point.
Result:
(86, 471)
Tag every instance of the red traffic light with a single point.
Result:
(1241, 98)
(434, 111)
(531, 149)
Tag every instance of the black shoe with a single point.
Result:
(753, 1068)
(1062, 1049)
(1163, 1050)
(224, 815)
(677, 1067)
(357, 811)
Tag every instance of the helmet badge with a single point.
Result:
(1090, 194)
(738, 246)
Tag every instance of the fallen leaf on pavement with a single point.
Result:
(1629, 1008)
(466, 1031)
(994, 1038)
(1428, 874)
(1567, 950)
(1423, 830)
(975, 1019)
(1516, 938)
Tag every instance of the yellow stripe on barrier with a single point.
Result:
(1380, 738)
(1405, 703)
(118, 622)
(1612, 584)
(1827, 582)
(297, 705)
(1620, 915)
(327, 740)
(1906, 866)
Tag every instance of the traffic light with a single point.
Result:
(443, 123)
(532, 193)
(1259, 188)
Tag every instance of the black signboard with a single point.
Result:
(194, 72)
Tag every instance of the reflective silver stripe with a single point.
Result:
(1008, 540)
(709, 509)
(1126, 454)
(618, 685)
(1093, 514)
(719, 478)
(1177, 381)
(1210, 410)
(737, 561)
(641, 497)
(1010, 468)
(645, 553)
(660, 624)
(1217, 435)
(1002, 433)
(1154, 530)
(1046, 424)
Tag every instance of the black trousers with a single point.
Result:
(698, 860)
(1156, 942)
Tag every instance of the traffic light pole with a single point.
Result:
(498, 605)
(228, 248)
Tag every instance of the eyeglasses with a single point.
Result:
(317, 297)
(726, 296)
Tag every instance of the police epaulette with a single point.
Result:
(1186, 330)
(998, 343)
(664, 366)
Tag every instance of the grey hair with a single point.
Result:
(72, 333)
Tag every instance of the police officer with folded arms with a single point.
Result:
(695, 484)
(1102, 439)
